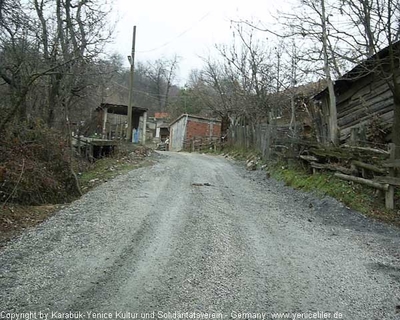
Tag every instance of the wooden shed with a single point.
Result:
(112, 120)
(363, 96)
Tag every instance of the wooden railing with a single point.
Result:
(381, 176)
(363, 162)
(201, 144)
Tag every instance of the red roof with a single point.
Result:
(161, 115)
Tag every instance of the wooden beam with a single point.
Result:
(104, 131)
(380, 151)
(330, 167)
(368, 166)
(331, 153)
(389, 180)
(144, 128)
(392, 164)
(308, 158)
(389, 196)
(366, 182)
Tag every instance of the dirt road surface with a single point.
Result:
(158, 240)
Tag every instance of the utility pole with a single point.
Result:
(131, 59)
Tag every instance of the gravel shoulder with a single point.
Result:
(200, 233)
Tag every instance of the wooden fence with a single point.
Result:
(201, 144)
(372, 167)
(369, 165)
(269, 140)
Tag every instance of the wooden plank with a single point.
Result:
(392, 164)
(366, 182)
(385, 116)
(356, 118)
(389, 196)
(379, 151)
(373, 105)
(357, 89)
(104, 143)
(389, 180)
(368, 166)
(331, 167)
(331, 153)
(308, 158)
(98, 142)
(319, 165)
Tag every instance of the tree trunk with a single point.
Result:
(53, 93)
(14, 109)
(333, 127)
(293, 114)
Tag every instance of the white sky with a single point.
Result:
(186, 27)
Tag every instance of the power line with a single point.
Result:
(151, 95)
(178, 36)
(137, 90)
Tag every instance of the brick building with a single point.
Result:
(188, 127)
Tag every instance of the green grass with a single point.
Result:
(240, 153)
(355, 196)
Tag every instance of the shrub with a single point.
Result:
(35, 166)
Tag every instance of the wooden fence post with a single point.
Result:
(354, 136)
(268, 140)
(362, 135)
(389, 195)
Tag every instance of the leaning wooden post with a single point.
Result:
(366, 182)
(144, 128)
(353, 136)
(104, 131)
(389, 195)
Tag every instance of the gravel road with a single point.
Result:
(158, 240)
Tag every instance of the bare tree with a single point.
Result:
(48, 54)
(374, 25)
(54, 44)
(217, 91)
(312, 23)
(162, 73)
(249, 67)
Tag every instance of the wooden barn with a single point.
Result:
(363, 99)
